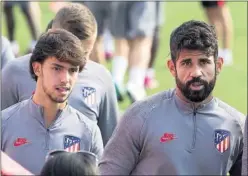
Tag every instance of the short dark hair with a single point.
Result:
(194, 35)
(68, 163)
(77, 19)
(60, 44)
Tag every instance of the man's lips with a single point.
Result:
(62, 89)
(196, 85)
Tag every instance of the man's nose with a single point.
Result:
(196, 72)
(65, 76)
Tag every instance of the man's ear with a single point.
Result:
(219, 64)
(36, 68)
(171, 66)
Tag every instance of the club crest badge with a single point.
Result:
(89, 95)
(222, 140)
(71, 143)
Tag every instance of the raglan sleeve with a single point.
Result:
(244, 157)
(123, 149)
(109, 110)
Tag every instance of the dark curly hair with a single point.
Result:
(194, 35)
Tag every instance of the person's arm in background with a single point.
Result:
(7, 53)
(109, 110)
(11, 167)
(236, 168)
(245, 153)
(9, 86)
(97, 144)
(239, 148)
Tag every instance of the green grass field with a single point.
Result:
(232, 82)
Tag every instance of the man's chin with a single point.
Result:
(196, 96)
(60, 100)
(196, 100)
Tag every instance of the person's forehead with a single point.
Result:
(55, 61)
(192, 54)
(187, 52)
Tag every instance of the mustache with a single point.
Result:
(196, 79)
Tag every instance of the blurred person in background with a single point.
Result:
(55, 6)
(70, 164)
(6, 52)
(132, 26)
(109, 47)
(104, 46)
(36, 13)
(150, 79)
(31, 12)
(219, 15)
(102, 13)
(245, 150)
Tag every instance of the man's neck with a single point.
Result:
(195, 104)
(51, 108)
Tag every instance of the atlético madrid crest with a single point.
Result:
(89, 95)
(222, 140)
(71, 143)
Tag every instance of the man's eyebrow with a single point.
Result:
(204, 58)
(185, 59)
(74, 67)
(61, 66)
(57, 65)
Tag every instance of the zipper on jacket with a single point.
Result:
(47, 138)
(194, 131)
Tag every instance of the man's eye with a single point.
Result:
(205, 62)
(74, 70)
(186, 63)
(57, 68)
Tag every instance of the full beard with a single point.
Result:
(196, 95)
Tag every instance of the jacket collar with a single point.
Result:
(37, 111)
(189, 107)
